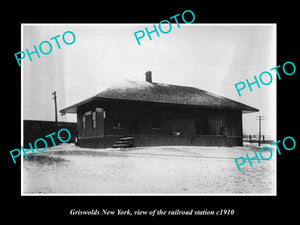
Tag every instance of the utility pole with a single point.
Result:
(55, 104)
(260, 118)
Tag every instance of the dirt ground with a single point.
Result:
(67, 169)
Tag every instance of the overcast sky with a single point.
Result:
(212, 57)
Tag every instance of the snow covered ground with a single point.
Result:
(67, 169)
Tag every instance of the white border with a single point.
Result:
(140, 194)
(22, 110)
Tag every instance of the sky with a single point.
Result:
(212, 57)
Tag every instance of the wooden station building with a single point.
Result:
(155, 114)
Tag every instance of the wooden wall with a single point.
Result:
(186, 121)
(197, 124)
(89, 131)
(34, 129)
(162, 140)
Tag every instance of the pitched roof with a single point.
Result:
(143, 91)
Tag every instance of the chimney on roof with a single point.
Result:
(149, 76)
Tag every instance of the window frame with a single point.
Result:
(94, 120)
(83, 120)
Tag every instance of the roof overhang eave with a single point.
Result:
(245, 111)
(73, 108)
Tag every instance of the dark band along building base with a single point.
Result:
(144, 113)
